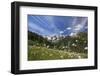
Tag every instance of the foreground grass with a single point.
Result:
(43, 53)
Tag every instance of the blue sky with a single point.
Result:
(57, 25)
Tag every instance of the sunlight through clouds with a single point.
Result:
(57, 25)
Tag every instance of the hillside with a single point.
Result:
(69, 47)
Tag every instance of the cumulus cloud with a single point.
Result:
(61, 32)
(72, 34)
(68, 28)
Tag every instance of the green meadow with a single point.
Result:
(43, 53)
(39, 48)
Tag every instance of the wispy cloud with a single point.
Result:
(56, 25)
(79, 26)
(37, 29)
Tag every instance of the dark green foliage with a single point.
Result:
(37, 39)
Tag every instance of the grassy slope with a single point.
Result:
(42, 53)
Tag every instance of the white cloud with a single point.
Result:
(61, 32)
(68, 28)
(78, 27)
(72, 34)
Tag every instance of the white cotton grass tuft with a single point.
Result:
(85, 48)
(73, 44)
(79, 57)
(76, 40)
